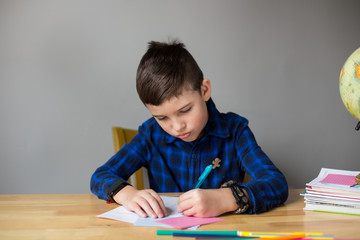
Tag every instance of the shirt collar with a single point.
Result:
(216, 125)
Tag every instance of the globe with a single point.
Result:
(349, 85)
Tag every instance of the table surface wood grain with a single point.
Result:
(73, 216)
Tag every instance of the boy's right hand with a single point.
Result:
(143, 202)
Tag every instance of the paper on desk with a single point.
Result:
(186, 222)
(152, 222)
(316, 183)
(124, 215)
(120, 214)
(339, 179)
(170, 204)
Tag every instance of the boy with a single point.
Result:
(186, 134)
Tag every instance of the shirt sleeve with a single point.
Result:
(268, 188)
(118, 168)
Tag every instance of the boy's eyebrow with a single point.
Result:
(184, 106)
(187, 105)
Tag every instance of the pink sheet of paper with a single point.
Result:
(186, 222)
(339, 179)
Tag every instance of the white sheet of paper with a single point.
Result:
(124, 215)
(120, 214)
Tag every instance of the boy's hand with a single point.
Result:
(143, 202)
(207, 202)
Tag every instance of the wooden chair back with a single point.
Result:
(120, 137)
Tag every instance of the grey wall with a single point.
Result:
(67, 75)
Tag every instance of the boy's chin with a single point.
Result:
(187, 140)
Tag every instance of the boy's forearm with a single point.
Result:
(100, 183)
(96, 186)
(266, 195)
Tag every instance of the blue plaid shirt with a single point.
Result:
(174, 165)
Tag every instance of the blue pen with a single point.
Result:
(215, 163)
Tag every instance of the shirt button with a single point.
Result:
(194, 156)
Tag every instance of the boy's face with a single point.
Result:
(184, 116)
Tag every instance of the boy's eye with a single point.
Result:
(185, 110)
(161, 118)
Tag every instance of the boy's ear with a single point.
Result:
(206, 89)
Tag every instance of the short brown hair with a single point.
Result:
(165, 70)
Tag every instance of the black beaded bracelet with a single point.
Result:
(241, 199)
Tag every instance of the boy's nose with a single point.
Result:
(179, 126)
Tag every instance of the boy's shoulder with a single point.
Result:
(229, 117)
(234, 120)
(225, 123)
(234, 117)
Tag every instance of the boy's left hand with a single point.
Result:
(207, 202)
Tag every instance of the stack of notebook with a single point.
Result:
(334, 191)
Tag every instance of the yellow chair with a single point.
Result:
(120, 137)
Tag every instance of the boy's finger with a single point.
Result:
(138, 210)
(185, 196)
(161, 204)
(145, 205)
(158, 207)
(184, 205)
(189, 212)
(164, 209)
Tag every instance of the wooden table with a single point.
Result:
(73, 216)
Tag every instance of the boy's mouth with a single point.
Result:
(184, 135)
